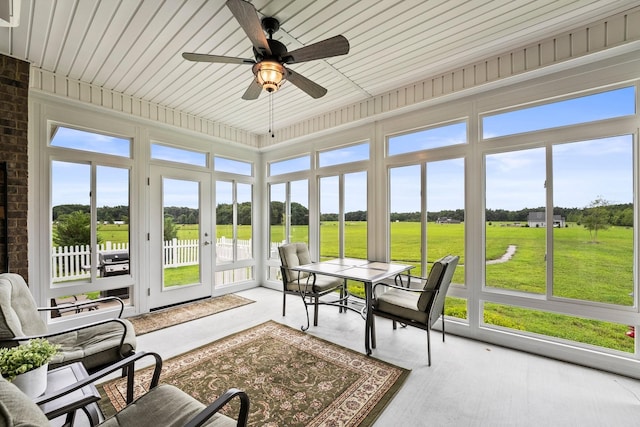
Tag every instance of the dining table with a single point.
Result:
(367, 272)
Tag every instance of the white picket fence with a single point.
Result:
(71, 262)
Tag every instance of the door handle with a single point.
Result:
(206, 243)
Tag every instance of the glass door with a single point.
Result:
(180, 237)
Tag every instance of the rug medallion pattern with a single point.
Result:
(292, 378)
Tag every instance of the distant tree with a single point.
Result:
(356, 216)
(170, 228)
(73, 229)
(224, 214)
(625, 217)
(299, 214)
(329, 217)
(276, 213)
(596, 217)
(61, 210)
(192, 218)
(244, 213)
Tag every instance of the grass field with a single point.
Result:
(583, 270)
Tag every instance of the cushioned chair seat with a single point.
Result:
(164, 406)
(96, 346)
(402, 304)
(321, 284)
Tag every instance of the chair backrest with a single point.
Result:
(431, 284)
(18, 311)
(293, 255)
(441, 294)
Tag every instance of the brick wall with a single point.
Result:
(14, 92)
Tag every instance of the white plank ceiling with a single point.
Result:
(134, 46)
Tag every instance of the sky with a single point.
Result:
(582, 171)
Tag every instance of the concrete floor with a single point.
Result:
(470, 383)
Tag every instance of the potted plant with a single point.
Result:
(26, 365)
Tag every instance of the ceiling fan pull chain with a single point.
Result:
(271, 115)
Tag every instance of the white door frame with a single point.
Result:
(158, 294)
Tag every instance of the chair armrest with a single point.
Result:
(127, 363)
(18, 340)
(399, 287)
(296, 272)
(399, 282)
(217, 404)
(80, 304)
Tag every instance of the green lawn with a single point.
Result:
(584, 270)
(599, 271)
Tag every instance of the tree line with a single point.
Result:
(614, 214)
(106, 214)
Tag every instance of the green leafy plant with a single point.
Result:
(26, 357)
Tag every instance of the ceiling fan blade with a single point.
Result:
(333, 46)
(313, 89)
(247, 16)
(253, 91)
(202, 57)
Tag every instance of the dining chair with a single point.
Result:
(414, 301)
(309, 286)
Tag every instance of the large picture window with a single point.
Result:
(343, 219)
(87, 230)
(234, 231)
(288, 217)
(418, 236)
(593, 249)
(90, 215)
(515, 221)
(560, 224)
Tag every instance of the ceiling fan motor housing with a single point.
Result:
(278, 52)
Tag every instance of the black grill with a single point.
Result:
(113, 263)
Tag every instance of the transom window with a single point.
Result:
(222, 164)
(179, 155)
(352, 153)
(65, 137)
(296, 164)
(600, 106)
(440, 136)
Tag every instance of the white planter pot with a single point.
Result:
(34, 382)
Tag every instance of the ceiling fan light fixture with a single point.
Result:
(270, 75)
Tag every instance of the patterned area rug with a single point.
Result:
(171, 316)
(292, 378)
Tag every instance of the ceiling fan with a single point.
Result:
(271, 55)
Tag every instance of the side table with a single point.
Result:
(85, 398)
